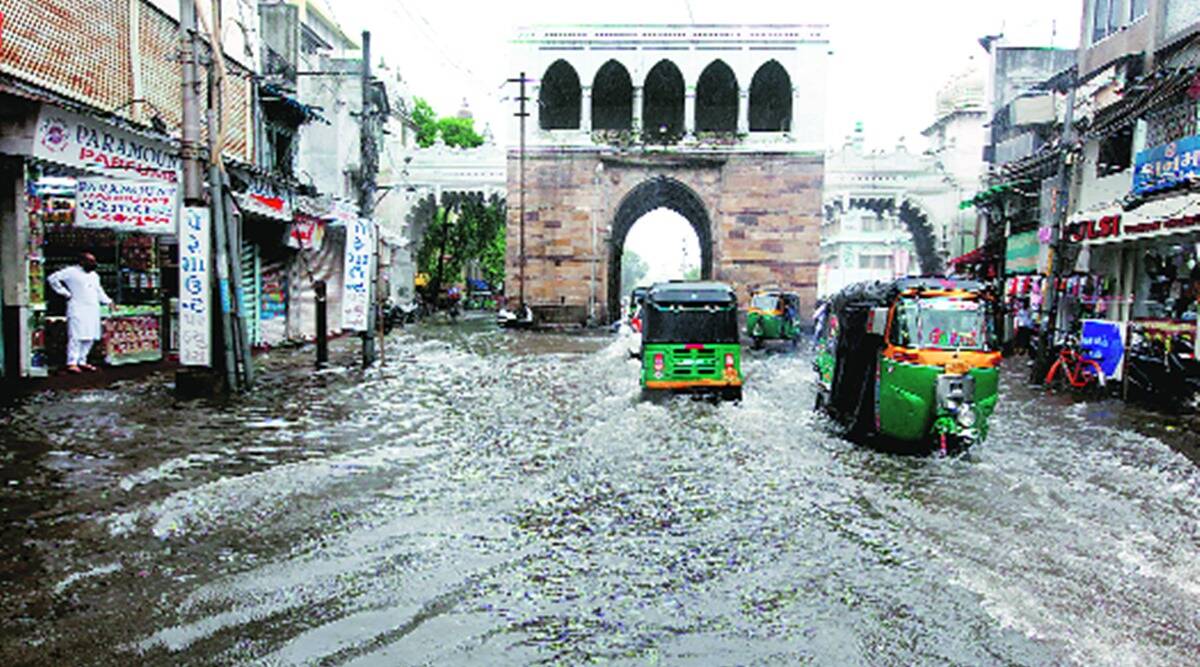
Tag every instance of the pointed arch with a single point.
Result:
(559, 98)
(717, 99)
(612, 98)
(662, 105)
(771, 99)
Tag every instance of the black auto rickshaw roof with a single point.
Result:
(697, 292)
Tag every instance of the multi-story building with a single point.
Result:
(1135, 209)
(956, 140)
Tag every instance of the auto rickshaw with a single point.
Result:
(913, 361)
(690, 340)
(773, 315)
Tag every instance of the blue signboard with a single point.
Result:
(1167, 166)
(1103, 341)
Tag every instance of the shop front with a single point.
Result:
(267, 210)
(1144, 272)
(89, 186)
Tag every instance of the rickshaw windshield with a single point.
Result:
(765, 302)
(942, 323)
(712, 323)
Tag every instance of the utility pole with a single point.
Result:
(1058, 239)
(522, 114)
(368, 172)
(190, 380)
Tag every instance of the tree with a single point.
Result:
(425, 119)
(464, 227)
(459, 132)
(633, 270)
(454, 131)
(693, 273)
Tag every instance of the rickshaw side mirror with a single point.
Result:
(878, 322)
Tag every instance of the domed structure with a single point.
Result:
(962, 92)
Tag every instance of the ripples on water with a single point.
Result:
(493, 499)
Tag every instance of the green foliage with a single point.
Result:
(459, 132)
(633, 271)
(464, 227)
(455, 131)
(426, 120)
(692, 274)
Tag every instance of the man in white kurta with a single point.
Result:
(80, 284)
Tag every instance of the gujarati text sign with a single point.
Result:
(132, 206)
(356, 284)
(195, 313)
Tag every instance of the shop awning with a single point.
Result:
(974, 257)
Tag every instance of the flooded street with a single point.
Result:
(505, 499)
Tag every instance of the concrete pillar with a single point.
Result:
(689, 113)
(637, 108)
(743, 124)
(585, 109)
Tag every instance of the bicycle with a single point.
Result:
(1074, 370)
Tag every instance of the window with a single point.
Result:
(662, 102)
(1116, 153)
(717, 99)
(559, 98)
(612, 98)
(771, 99)
(1105, 18)
(1138, 9)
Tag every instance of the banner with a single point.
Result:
(128, 206)
(1167, 166)
(1104, 341)
(357, 272)
(306, 232)
(195, 312)
(79, 141)
(1021, 255)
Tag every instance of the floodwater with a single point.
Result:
(504, 499)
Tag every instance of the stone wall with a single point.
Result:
(765, 210)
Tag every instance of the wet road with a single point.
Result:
(493, 499)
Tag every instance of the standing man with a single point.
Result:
(81, 286)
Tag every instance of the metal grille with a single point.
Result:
(1171, 123)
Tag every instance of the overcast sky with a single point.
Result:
(890, 56)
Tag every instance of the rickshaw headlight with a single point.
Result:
(966, 416)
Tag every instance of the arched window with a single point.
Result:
(612, 98)
(717, 99)
(662, 102)
(558, 100)
(771, 99)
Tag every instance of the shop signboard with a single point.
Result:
(1167, 166)
(1104, 341)
(1021, 255)
(195, 312)
(79, 141)
(357, 272)
(306, 232)
(147, 207)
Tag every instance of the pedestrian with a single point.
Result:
(80, 285)
(1024, 328)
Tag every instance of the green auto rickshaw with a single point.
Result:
(913, 361)
(690, 340)
(773, 315)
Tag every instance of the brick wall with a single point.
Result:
(765, 211)
(82, 50)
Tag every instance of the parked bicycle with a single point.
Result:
(1075, 371)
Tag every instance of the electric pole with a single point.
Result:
(1058, 240)
(522, 115)
(368, 172)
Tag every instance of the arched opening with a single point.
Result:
(771, 99)
(662, 104)
(558, 98)
(717, 99)
(661, 245)
(918, 224)
(646, 204)
(612, 98)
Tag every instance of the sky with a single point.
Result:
(890, 57)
